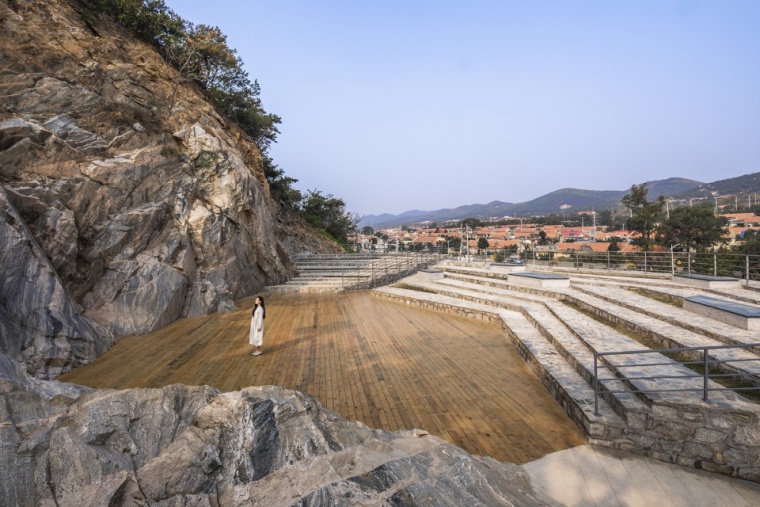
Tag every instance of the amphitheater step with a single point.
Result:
(668, 313)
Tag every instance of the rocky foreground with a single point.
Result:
(195, 446)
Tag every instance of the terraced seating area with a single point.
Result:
(648, 402)
(340, 272)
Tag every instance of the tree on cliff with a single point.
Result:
(329, 214)
(281, 186)
(645, 215)
(201, 54)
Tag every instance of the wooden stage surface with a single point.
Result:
(385, 364)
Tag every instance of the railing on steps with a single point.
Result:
(385, 270)
(706, 362)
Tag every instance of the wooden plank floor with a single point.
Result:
(385, 364)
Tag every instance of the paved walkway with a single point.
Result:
(592, 476)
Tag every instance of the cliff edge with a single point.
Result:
(127, 201)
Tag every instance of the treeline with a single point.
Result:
(200, 53)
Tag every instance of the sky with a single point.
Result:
(398, 105)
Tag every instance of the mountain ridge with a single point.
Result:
(568, 200)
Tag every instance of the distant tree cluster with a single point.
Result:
(686, 227)
(200, 53)
(329, 214)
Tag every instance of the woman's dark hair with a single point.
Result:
(263, 309)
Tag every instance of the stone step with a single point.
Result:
(601, 338)
(497, 293)
(576, 352)
(719, 331)
(579, 354)
(669, 335)
(498, 283)
(674, 289)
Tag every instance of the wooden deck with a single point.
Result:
(385, 364)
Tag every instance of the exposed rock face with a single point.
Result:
(40, 326)
(183, 446)
(136, 213)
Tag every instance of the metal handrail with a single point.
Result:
(706, 362)
(403, 265)
(736, 265)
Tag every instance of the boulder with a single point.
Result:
(40, 325)
(191, 446)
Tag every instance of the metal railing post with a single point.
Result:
(608, 261)
(746, 269)
(715, 264)
(596, 387)
(688, 255)
(706, 374)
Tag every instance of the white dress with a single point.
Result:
(256, 336)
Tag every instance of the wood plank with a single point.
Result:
(387, 365)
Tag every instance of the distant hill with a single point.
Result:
(741, 185)
(566, 199)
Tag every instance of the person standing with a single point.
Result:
(256, 336)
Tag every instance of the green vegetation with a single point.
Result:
(329, 214)
(645, 215)
(658, 296)
(201, 55)
(689, 227)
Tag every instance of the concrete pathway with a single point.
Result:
(591, 476)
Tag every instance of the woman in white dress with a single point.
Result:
(256, 336)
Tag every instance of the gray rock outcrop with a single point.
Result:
(194, 446)
(40, 326)
(136, 212)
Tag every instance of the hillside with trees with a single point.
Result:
(563, 201)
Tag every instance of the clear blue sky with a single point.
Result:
(397, 105)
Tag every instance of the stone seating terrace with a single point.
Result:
(557, 331)
(706, 281)
(731, 312)
(341, 272)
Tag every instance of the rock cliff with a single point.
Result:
(127, 201)
(65, 445)
(119, 214)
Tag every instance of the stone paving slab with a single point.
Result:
(578, 336)
(593, 476)
(670, 335)
(706, 281)
(668, 313)
(601, 338)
